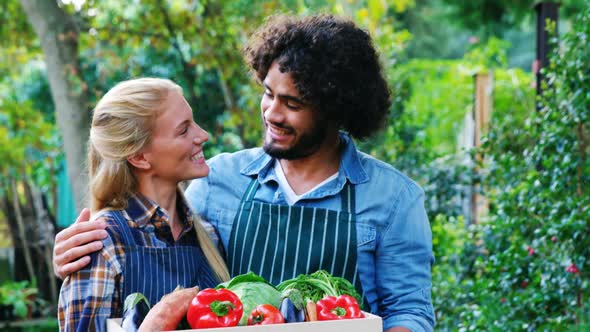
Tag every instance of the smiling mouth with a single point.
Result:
(198, 156)
(278, 131)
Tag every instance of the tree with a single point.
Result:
(88, 49)
(494, 17)
(58, 35)
(28, 145)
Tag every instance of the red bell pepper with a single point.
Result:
(341, 307)
(214, 308)
(265, 314)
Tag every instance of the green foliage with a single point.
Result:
(422, 134)
(494, 17)
(431, 100)
(19, 295)
(16, 48)
(433, 36)
(198, 44)
(531, 270)
(28, 142)
(488, 56)
(423, 121)
(454, 251)
(421, 140)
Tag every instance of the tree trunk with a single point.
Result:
(45, 237)
(58, 35)
(21, 230)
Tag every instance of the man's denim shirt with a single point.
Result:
(393, 232)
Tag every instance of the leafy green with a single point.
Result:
(316, 286)
(133, 299)
(248, 277)
(252, 291)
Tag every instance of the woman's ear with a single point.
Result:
(139, 161)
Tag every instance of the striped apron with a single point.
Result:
(279, 242)
(156, 272)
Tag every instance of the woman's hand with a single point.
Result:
(74, 244)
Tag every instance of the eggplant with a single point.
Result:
(290, 311)
(135, 309)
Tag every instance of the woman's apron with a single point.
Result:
(156, 272)
(279, 242)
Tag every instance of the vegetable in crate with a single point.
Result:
(214, 308)
(170, 310)
(265, 314)
(252, 291)
(311, 312)
(290, 311)
(318, 285)
(135, 308)
(341, 307)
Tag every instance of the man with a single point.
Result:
(308, 199)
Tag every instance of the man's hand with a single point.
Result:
(73, 244)
(168, 313)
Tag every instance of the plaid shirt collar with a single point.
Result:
(143, 212)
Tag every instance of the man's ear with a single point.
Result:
(139, 161)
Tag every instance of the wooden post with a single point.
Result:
(482, 110)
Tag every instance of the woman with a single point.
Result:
(143, 143)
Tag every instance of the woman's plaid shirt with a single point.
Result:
(92, 295)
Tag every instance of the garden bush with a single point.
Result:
(530, 268)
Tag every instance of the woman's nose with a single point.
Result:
(201, 137)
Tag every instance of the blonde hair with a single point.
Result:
(122, 125)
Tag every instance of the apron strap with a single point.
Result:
(127, 234)
(347, 196)
(251, 191)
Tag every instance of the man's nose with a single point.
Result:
(274, 111)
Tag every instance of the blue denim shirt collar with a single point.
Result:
(351, 169)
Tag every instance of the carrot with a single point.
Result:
(311, 313)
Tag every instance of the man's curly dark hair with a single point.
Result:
(333, 64)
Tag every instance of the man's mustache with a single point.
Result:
(280, 126)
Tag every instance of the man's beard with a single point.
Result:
(308, 143)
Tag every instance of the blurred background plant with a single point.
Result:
(17, 299)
